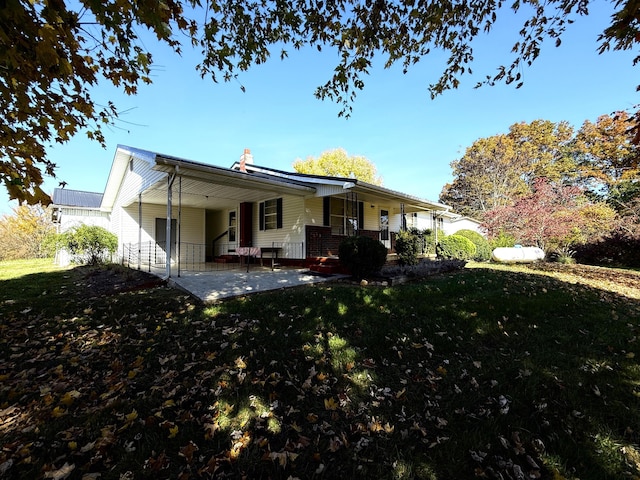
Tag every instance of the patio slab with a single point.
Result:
(217, 285)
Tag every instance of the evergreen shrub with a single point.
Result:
(408, 246)
(456, 247)
(89, 244)
(363, 256)
(483, 249)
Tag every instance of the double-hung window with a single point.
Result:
(271, 214)
(232, 226)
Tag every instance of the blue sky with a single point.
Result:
(409, 137)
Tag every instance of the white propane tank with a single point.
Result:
(517, 254)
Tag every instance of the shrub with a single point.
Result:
(502, 240)
(617, 249)
(456, 247)
(564, 255)
(412, 243)
(89, 243)
(429, 237)
(363, 256)
(408, 246)
(483, 249)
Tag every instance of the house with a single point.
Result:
(208, 212)
(446, 221)
(73, 207)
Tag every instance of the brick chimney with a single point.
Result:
(245, 158)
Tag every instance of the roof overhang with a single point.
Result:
(371, 193)
(119, 166)
(223, 176)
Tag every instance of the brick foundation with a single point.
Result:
(321, 243)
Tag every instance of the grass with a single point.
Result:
(489, 372)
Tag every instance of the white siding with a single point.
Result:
(313, 211)
(451, 227)
(72, 217)
(292, 231)
(191, 223)
(137, 180)
(371, 216)
(395, 222)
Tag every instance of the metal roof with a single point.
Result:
(76, 198)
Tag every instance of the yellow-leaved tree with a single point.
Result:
(23, 234)
(338, 163)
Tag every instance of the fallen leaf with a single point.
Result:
(62, 473)
(69, 397)
(330, 404)
(188, 450)
(58, 412)
(91, 476)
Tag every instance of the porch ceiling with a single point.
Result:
(198, 194)
(212, 189)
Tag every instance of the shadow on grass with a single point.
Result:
(481, 373)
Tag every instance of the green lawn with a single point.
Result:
(491, 372)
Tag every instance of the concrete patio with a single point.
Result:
(212, 286)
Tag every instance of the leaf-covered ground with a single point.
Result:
(505, 373)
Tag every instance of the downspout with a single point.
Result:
(170, 178)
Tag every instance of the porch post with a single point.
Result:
(170, 179)
(139, 230)
(179, 220)
(435, 226)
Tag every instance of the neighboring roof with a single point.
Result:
(456, 217)
(76, 198)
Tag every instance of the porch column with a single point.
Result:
(170, 179)
(179, 220)
(139, 230)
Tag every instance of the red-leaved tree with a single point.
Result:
(551, 217)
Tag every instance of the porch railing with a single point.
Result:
(192, 257)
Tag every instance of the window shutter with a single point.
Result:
(279, 213)
(326, 211)
(261, 216)
(360, 216)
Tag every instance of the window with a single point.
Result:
(438, 222)
(271, 214)
(413, 220)
(384, 225)
(232, 226)
(344, 216)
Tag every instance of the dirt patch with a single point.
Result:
(113, 279)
